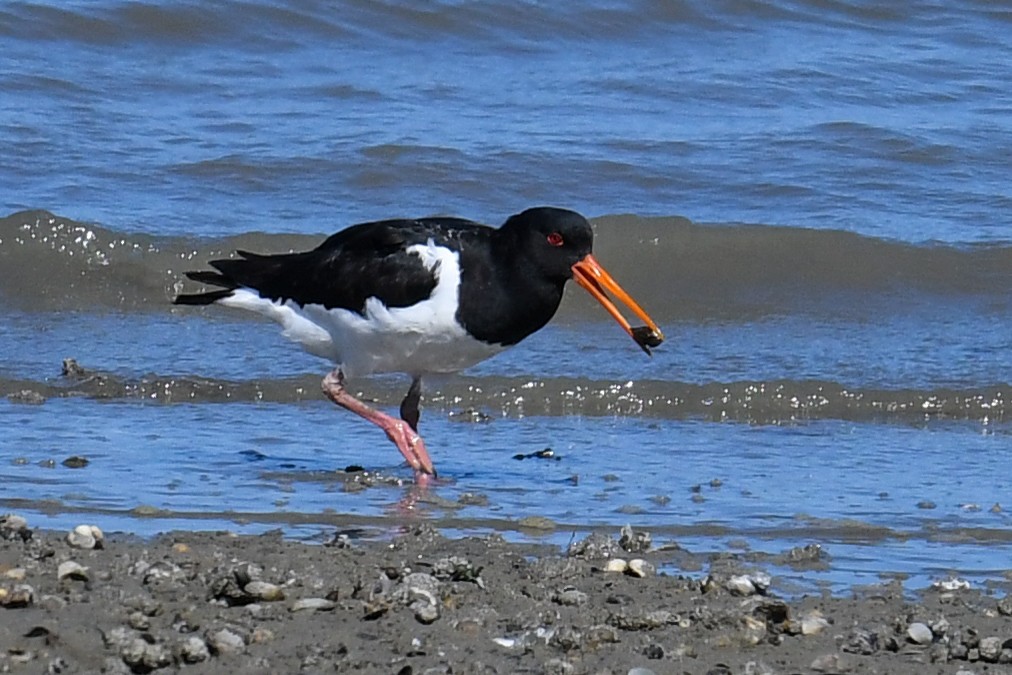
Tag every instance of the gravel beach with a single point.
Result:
(422, 603)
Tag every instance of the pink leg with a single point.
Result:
(400, 432)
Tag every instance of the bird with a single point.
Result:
(423, 296)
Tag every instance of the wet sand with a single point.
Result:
(423, 603)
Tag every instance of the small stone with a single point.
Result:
(761, 580)
(263, 590)
(831, 663)
(12, 525)
(653, 651)
(813, 623)
(261, 635)
(596, 546)
(990, 649)
(156, 656)
(601, 634)
(616, 565)
(926, 504)
(632, 541)
(740, 584)
(558, 666)
(194, 650)
(16, 597)
(1005, 606)
(86, 537)
(570, 596)
(16, 574)
(75, 462)
(71, 368)
(138, 621)
(950, 585)
(425, 612)
(132, 652)
(246, 573)
(808, 553)
(640, 568)
(27, 396)
(536, 523)
(919, 633)
(861, 641)
(224, 641)
(72, 570)
(753, 630)
(314, 604)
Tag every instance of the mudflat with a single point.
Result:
(215, 602)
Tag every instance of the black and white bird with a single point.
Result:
(432, 295)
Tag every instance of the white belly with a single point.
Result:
(423, 338)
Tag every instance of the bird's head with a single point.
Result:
(559, 244)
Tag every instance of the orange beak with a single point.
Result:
(595, 280)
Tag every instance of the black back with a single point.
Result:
(512, 278)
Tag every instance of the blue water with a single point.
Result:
(254, 115)
(168, 125)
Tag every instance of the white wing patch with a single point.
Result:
(423, 338)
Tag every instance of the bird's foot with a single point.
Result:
(411, 446)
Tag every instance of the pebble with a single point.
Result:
(1005, 606)
(86, 537)
(632, 541)
(831, 663)
(741, 584)
(596, 546)
(425, 612)
(12, 526)
(224, 641)
(16, 597)
(861, 641)
(144, 657)
(264, 590)
(616, 565)
(950, 585)
(29, 396)
(990, 649)
(640, 568)
(315, 604)
(536, 523)
(753, 631)
(16, 574)
(649, 621)
(138, 621)
(72, 570)
(194, 650)
(570, 596)
(919, 633)
(813, 623)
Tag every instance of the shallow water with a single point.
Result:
(842, 359)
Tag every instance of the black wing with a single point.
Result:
(360, 262)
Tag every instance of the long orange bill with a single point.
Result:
(595, 280)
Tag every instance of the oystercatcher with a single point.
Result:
(432, 295)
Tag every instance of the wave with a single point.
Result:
(679, 269)
(516, 25)
(477, 399)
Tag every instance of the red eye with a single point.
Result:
(555, 239)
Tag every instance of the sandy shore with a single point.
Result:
(422, 603)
